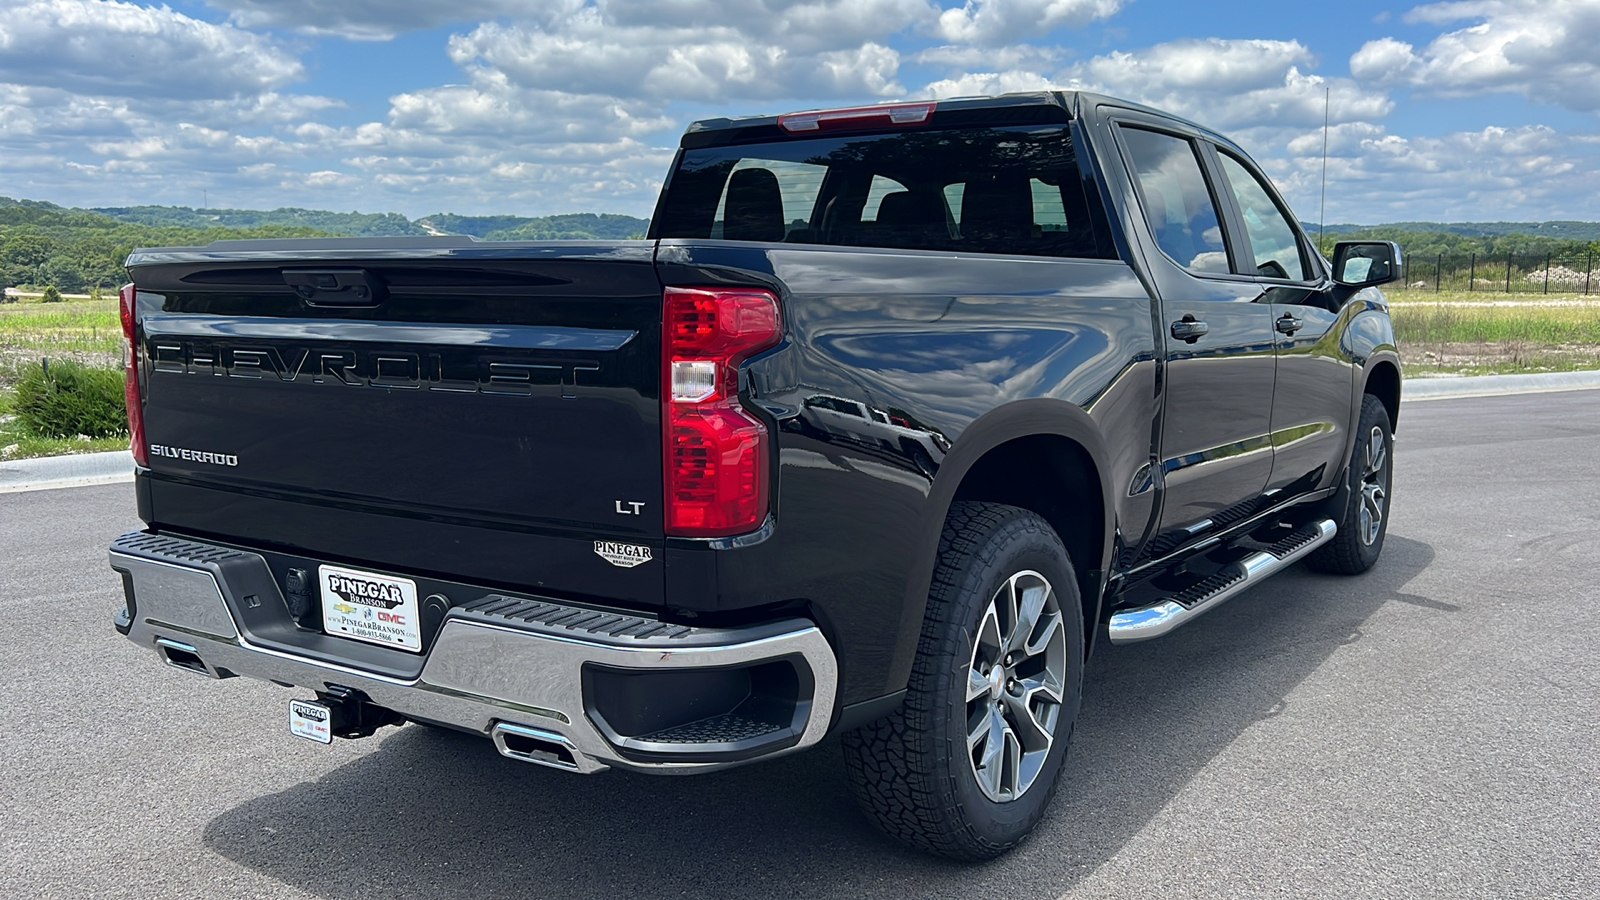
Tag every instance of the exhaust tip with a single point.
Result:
(540, 747)
(184, 656)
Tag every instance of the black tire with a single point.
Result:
(914, 772)
(1357, 545)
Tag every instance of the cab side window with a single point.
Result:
(1177, 203)
(1272, 238)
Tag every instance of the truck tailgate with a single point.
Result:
(397, 391)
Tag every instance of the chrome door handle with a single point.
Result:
(1288, 324)
(1189, 329)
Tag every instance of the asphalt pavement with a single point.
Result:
(1430, 729)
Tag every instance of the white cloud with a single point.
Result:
(1254, 91)
(977, 84)
(122, 49)
(1223, 84)
(572, 105)
(1018, 56)
(1544, 50)
(803, 25)
(1519, 174)
(587, 55)
(377, 20)
(1001, 21)
(493, 109)
(1214, 65)
(1344, 139)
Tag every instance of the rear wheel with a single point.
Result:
(967, 766)
(1365, 519)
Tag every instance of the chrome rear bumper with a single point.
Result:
(508, 668)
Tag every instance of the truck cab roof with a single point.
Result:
(1012, 108)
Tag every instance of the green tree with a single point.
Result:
(62, 271)
(22, 250)
(51, 295)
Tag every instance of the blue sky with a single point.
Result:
(1467, 110)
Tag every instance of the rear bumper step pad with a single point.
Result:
(501, 666)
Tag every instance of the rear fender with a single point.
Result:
(1024, 418)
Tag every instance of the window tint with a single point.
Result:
(982, 190)
(881, 187)
(1048, 211)
(791, 185)
(1272, 238)
(1177, 203)
(952, 199)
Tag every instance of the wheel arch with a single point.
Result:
(1046, 456)
(1383, 382)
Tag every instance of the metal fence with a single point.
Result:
(1504, 273)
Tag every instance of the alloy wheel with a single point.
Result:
(1374, 486)
(1015, 686)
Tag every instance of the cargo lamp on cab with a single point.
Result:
(857, 117)
(717, 467)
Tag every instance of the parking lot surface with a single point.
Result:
(1431, 729)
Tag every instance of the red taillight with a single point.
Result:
(135, 396)
(859, 117)
(716, 452)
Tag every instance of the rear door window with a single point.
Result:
(1178, 204)
(1015, 190)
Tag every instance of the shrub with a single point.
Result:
(51, 295)
(64, 399)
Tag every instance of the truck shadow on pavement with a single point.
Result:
(436, 814)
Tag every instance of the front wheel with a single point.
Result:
(967, 766)
(1365, 518)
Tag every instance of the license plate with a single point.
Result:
(310, 721)
(378, 609)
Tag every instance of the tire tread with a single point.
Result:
(1345, 554)
(895, 770)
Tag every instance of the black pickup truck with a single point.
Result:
(893, 416)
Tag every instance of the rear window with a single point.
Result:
(979, 190)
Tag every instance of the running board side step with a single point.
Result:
(1153, 621)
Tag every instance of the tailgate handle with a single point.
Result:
(335, 287)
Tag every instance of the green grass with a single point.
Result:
(79, 326)
(17, 443)
(1408, 297)
(1553, 325)
(79, 330)
(1468, 334)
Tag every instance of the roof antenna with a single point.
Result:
(1322, 214)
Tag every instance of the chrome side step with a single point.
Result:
(1131, 626)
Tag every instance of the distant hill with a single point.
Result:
(607, 226)
(569, 227)
(42, 243)
(1561, 231)
(77, 250)
(351, 224)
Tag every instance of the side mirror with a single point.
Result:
(1364, 264)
